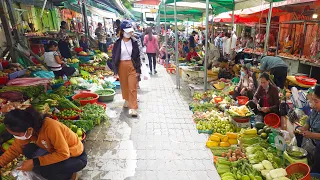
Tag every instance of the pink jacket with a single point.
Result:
(152, 46)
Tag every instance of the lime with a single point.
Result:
(264, 135)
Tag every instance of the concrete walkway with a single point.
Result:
(162, 143)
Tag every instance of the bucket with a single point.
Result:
(242, 100)
(299, 168)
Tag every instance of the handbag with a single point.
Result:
(284, 108)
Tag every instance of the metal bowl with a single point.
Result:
(292, 149)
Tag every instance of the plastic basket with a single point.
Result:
(242, 100)
(272, 120)
(78, 49)
(84, 58)
(4, 80)
(315, 175)
(85, 95)
(299, 168)
(71, 117)
(218, 99)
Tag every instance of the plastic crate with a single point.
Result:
(22, 72)
(241, 125)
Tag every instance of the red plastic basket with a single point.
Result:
(241, 119)
(4, 80)
(218, 99)
(242, 100)
(86, 95)
(71, 117)
(102, 104)
(306, 80)
(78, 49)
(299, 168)
(272, 120)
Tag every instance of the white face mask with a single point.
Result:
(287, 39)
(23, 137)
(127, 35)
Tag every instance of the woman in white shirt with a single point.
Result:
(54, 62)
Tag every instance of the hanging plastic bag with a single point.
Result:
(144, 72)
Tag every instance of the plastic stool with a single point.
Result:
(171, 70)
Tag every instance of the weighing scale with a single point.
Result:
(280, 144)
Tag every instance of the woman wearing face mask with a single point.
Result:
(266, 99)
(245, 86)
(52, 149)
(308, 136)
(64, 45)
(127, 64)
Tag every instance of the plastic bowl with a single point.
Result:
(105, 98)
(299, 168)
(94, 99)
(76, 117)
(103, 105)
(218, 99)
(272, 120)
(84, 58)
(242, 100)
(78, 49)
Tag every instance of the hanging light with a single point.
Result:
(314, 16)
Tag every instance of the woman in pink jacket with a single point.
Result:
(151, 42)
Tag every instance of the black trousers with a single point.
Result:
(68, 71)
(59, 171)
(152, 60)
(280, 75)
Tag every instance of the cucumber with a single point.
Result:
(259, 125)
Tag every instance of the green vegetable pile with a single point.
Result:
(203, 107)
(314, 178)
(57, 81)
(257, 153)
(296, 176)
(67, 113)
(64, 91)
(237, 170)
(105, 92)
(29, 91)
(86, 98)
(54, 100)
(93, 112)
(86, 125)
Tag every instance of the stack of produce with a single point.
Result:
(218, 139)
(6, 145)
(28, 91)
(236, 170)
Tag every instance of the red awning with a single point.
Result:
(227, 18)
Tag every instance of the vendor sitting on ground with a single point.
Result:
(192, 54)
(245, 86)
(308, 136)
(53, 150)
(266, 99)
(54, 61)
(84, 43)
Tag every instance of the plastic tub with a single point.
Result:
(241, 119)
(272, 120)
(84, 58)
(103, 105)
(315, 175)
(299, 168)
(242, 100)
(94, 99)
(105, 98)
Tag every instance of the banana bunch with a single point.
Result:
(89, 69)
(74, 60)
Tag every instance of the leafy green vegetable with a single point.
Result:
(29, 91)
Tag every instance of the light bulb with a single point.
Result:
(314, 16)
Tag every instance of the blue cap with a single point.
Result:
(126, 26)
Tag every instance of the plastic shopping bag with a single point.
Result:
(144, 72)
(26, 175)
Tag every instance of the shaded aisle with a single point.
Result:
(162, 143)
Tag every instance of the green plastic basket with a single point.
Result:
(235, 80)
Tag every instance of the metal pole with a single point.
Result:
(206, 51)
(278, 39)
(212, 35)
(44, 5)
(232, 28)
(176, 45)
(304, 38)
(165, 33)
(85, 19)
(268, 30)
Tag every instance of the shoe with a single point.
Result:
(150, 73)
(126, 105)
(133, 113)
(75, 176)
(155, 72)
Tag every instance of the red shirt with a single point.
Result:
(191, 55)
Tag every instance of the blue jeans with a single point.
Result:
(102, 47)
